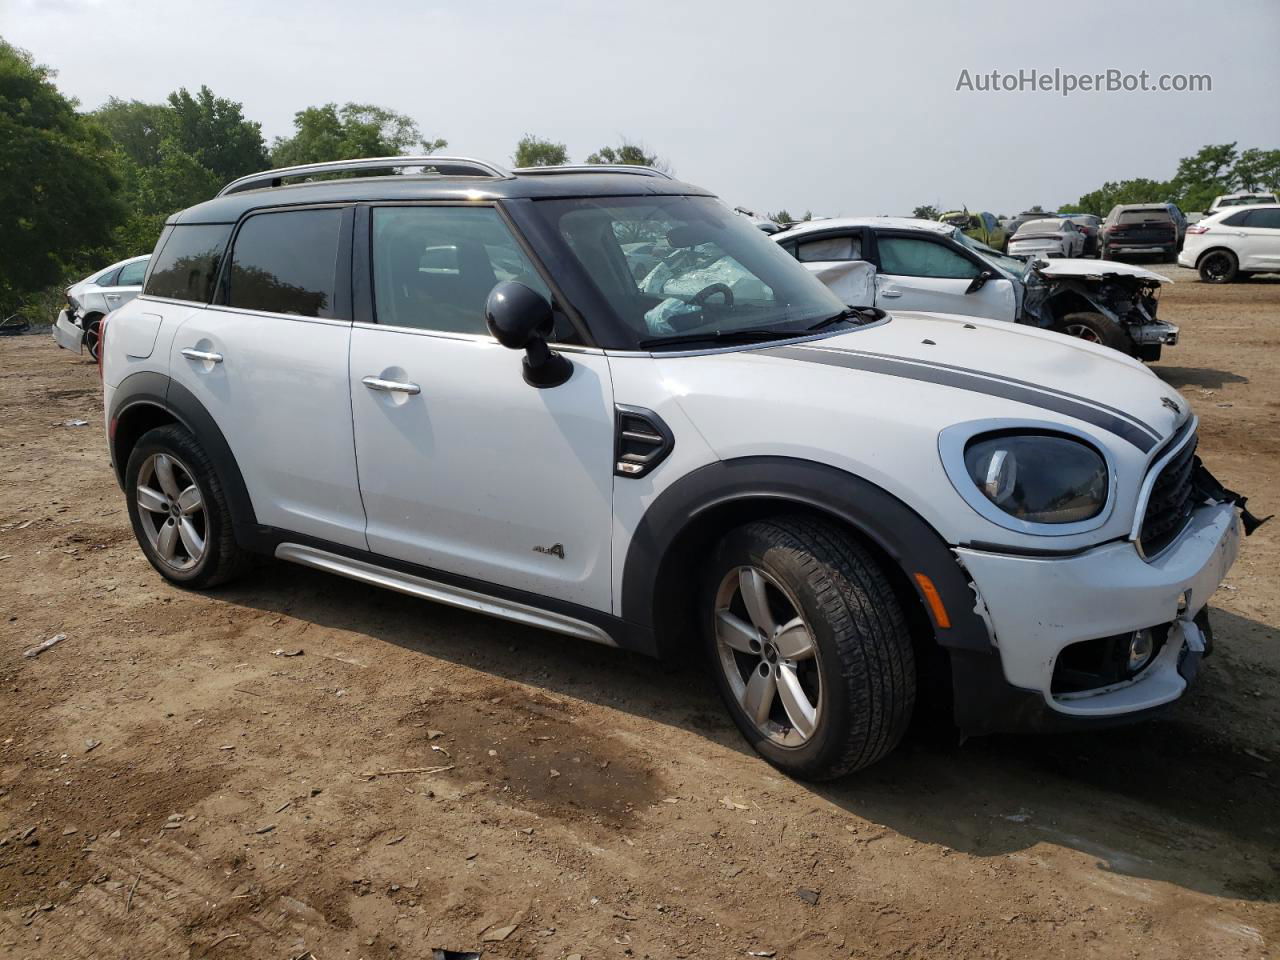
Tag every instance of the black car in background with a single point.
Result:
(1143, 228)
(1092, 228)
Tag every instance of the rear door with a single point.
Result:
(919, 272)
(125, 285)
(837, 260)
(268, 360)
(1258, 246)
(464, 467)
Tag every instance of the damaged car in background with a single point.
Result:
(897, 263)
(79, 325)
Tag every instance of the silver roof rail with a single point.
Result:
(631, 168)
(432, 165)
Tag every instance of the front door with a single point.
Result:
(464, 467)
(921, 273)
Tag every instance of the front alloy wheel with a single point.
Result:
(768, 656)
(809, 645)
(171, 511)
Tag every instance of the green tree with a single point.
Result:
(534, 151)
(1204, 175)
(330, 132)
(1099, 202)
(1257, 170)
(926, 212)
(214, 132)
(136, 127)
(629, 152)
(57, 185)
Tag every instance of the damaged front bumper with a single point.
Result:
(1037, 607)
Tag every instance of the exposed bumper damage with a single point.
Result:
(1122, 293)
(1062, 627)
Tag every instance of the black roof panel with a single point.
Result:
(230, 208)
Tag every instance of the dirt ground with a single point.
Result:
(171, 787)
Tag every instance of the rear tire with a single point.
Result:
(1219, 266)
(1095, 328)
(179, 511)
(809, 646)
(93, 336)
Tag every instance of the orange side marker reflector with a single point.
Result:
(935, 601)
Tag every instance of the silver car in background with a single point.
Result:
(78, 327)
(1050, 237)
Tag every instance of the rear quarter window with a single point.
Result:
(187, 263)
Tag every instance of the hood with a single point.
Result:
(1095, 270)
(994, 366)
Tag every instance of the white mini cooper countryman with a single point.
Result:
(599, 402)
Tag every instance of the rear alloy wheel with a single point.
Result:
(1095, 328)
(172, 511)
(1220, 266)
(809, 646)
(179, 511)
(93, 337)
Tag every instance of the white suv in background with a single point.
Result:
(1234, 242)
(79, 325)
(604, 404)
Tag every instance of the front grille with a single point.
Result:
(1171, 502)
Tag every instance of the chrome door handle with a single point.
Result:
(890, 293)
(113, 296)
(193, 354)
(391, 386)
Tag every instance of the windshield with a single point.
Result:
(683, 266)
(1012, 267)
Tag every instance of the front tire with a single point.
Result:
(809, 646)
(1219, 266)
(179, 511)
(1095, 328)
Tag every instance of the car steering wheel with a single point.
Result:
(707, 292)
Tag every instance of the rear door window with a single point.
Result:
(830, 248)
(1264, 219)
(286, 262)
(187, 263)
(131, 274)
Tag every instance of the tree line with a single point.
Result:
(1213, 170)
(82, 189)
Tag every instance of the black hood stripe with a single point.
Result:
(964, 380)
(986, 374)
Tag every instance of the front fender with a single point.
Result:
(883, 519)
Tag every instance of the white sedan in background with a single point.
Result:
(1050, 237)
(1234, 242)
(78, 327)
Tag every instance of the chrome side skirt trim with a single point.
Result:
(442, 593)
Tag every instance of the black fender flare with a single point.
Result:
(876, 514)
(150, 389)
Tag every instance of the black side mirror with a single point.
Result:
(980, 281)
(520, 318)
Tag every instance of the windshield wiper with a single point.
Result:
(718, 336)
(860, 314)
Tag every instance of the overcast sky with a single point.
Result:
(837, 106)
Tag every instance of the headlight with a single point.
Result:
(1038, 478)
